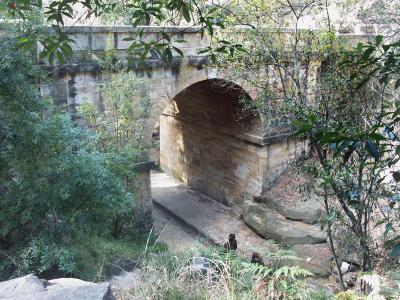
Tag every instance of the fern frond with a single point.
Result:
(292, 272)
(257, 269)
(283, 255)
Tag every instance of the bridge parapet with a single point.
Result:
(95, 40)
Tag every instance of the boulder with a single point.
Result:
(31, 288)
(21, 286)
(308, 211)
(318, 259)
(272, 225)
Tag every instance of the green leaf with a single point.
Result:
(178, 51)
(373, 150)
(375, 136)
(384, 79)
(167, 54)
(398, 150)
(367, 53)
(166, 36)
(67, 50)
(386, 48)
(51, 57)
(378, 39)
(213, 58)
(60, 57)
(186, 13)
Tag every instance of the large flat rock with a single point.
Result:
(210, 218)
(272, 225)
(31, 288)
(307, 211)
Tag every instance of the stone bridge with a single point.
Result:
(202, 142)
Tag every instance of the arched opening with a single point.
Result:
(206, 142)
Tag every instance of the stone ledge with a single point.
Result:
(269, 138)
(60, 70)
(354, 33)
(124, 29)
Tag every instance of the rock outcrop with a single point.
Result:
(305, 211)
(30, 287)
(307, 241)
(289, 217)
(272, 225)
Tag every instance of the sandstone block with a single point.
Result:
(272, 225)
(308, 211)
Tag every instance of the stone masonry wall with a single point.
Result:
(203, 143)
(220, 166)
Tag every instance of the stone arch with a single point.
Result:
(164, 90)
(207, 142)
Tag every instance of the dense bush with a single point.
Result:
(56, 187)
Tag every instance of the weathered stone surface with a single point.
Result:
(71, 288)
(26, 285)
(272, 225)
(31, 288)
(308, 211)
(315, 258)
(177, 236)
(322, 286)
(354, 258)
(208, 217)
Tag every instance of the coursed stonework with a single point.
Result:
(203, 142)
